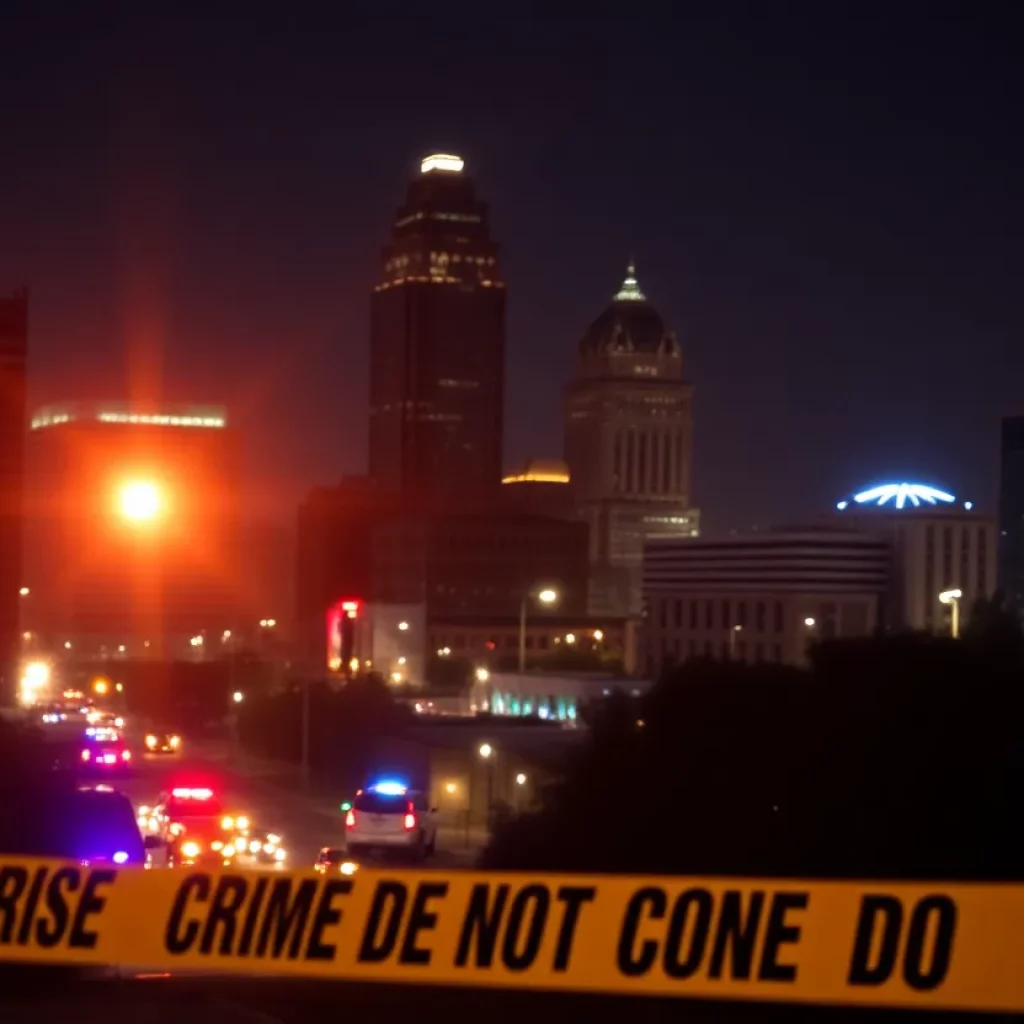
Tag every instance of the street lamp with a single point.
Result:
(486, 751)
(732, 640)
(544, 596)
(139, 500)
(238, 696)
(482, 675)
(810, 622)
(24, 591)
(952, 597)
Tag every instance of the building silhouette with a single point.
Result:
(437, 346)
(629, 444)
(13, 353)
(1011, 511)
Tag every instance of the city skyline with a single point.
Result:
(791, 250)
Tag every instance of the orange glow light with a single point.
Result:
(140, 500)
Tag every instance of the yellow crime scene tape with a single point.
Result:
(917, 945)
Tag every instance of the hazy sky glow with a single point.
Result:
(826, 207)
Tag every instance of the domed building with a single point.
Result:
(629, 443)
(540, 487)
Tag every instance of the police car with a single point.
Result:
(389, 816)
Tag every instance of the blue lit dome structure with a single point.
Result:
(901, 495)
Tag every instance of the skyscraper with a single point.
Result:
(135, 530)
(629, 444)
(13, 352)
(1011, 511)
(437, 346)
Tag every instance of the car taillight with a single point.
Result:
(126, 755)
(350, 819)
(410, 822)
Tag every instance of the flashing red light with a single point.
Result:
(350, 819)
(186, 793)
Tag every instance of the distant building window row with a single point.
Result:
(758, 616)
(673, 650)
(649, 462)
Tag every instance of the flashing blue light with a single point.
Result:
(120, 857)
(900, 494)
(389, 787)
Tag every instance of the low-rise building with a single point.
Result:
(760, 597)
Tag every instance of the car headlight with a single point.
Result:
(227, 823)
(239, 844)
(150, 741)
(348, 867)
(175, 742)
(279, 854)
(216, 845)
(242, 822)
(190, 849)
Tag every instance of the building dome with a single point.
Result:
(629, 324)
(539, 471)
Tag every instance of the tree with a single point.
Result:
(889, 757)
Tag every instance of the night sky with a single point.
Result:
(824, 201)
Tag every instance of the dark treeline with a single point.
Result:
(896, 757)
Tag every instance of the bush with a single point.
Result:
(893, 758)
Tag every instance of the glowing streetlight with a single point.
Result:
(570, 638)
(810, 622)
(101, 687)
(139, 500)
(732, 639)
(598, 635)
(952, 598)
(403, 626)
(521, 779)
(268, 623)
(238, 696)
(486, 750)
(547, 595)
(24, 591)
(482, 675)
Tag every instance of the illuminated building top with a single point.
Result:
(442, 162)
(630, 289)
(540, 471)
(208, 416)
(901, 495)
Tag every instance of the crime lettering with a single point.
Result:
(51, 906)
(245, 916)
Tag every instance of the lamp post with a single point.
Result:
(486, 751)
(545, 596)
(732, 640)
(952, 598)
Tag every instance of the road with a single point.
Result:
(270, 799)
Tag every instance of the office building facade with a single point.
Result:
(761, 597)
(135, 530)
(629, 444)
(437, 347)
(937, 542)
